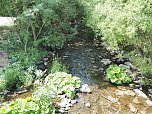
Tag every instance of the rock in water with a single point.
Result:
(106, 61)
(88, 105)
(140, 93)
(148, 102)
(85, 89)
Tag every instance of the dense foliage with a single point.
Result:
(46, 24)
(123, 24)
(14, 7)
(117, 75)
(21, 71)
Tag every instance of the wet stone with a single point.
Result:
(129, 64)
(150, 91)
(88, 105)
(114, 100)
(148, 103)
(106, 61)
(85, 89)
(140, 93)
(73, 102)
(127, 67)
(143, 112)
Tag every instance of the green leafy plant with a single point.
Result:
(45, 24)
(117, 74)
(2, 85)
(57, 66)
(26, 106)
(42, 100)
(123, 25)
(12, 74)
(144, 82)
(59, 82)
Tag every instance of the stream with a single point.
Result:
(84, 61)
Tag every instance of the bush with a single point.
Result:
(46, 24)
(57, 66)
(12, 74)
(124, 24)
(14, 7)
(117, 75)
(2, 85)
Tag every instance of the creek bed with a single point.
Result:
(84, 61)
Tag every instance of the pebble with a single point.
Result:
(88, 105)
(132, 108)
(73, 102)
(67, 108)
(64, 102)
(148, 103)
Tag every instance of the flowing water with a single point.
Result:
(84, 61)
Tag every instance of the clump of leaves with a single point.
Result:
(62, 82)
(117, 75)
(26, 106)
(12, 75)
(145, 82)
(57, 83)
(42, 101)
(57, 66)
(2, 85)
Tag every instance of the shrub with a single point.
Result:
(12, 74)
(117, 74)
(123, 24)
(2, 85)
(57, 66)
(144, 64)
(14, 7)
(46, 24)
